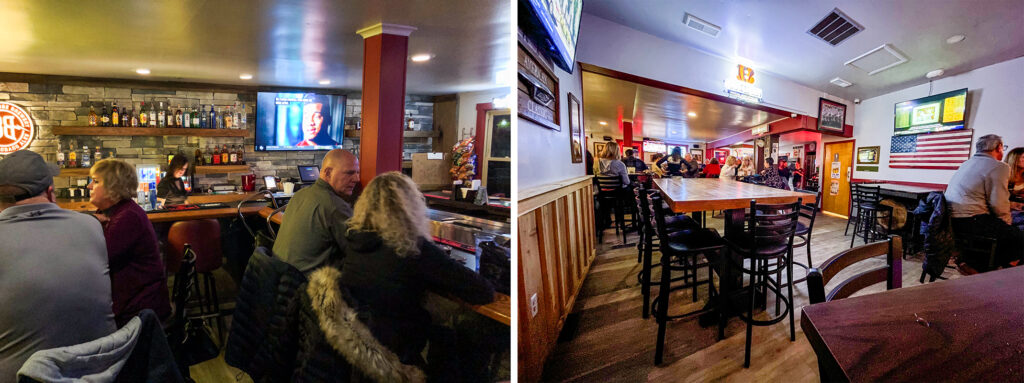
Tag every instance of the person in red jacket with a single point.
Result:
(713, 169)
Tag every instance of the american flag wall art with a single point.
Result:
(945, 150)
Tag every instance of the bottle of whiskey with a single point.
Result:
(199, 157)
(227, 119)
(241, 152)
(85, 157)
(93, 119)
(161, 116)
(170, 156)
(98, 154)
(216, 155)
(72, 156)
(224, 155)
(61, 162)
(143, 115)
(115, 118)
(233, 158)
(135, 118)
(152, 116)
(177, 118)
(105, 118)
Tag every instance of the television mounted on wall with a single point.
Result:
(554, 26)
(939, 113)
(299, 121)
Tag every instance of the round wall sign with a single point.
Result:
(16, 128)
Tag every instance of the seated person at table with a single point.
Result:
(171, 190)
(391, 262)
(712, 169)
(313, 230)
(1016, 161)
(673, 164)
(137, 277)
(730, 169)
(610, 166)
(980, 202)
(637, 164)
(691, 167)
(770, 175)
(54, 287)
(657, 170)
(746, 168)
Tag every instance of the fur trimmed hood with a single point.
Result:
(350, 337)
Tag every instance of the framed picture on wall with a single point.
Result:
(598, 149)
(831, 115)
(868, 154)
(575, 129)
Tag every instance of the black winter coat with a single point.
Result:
(264, 329)
(937, 232)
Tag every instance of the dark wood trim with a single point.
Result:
(676, 88)
(481, 135)
(161, 84)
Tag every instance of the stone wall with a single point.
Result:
(54, 104)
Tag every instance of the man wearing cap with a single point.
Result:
(54, 281)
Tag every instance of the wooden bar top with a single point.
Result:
(499, 310)
(82, 204)
(968, 329)
(685, 195)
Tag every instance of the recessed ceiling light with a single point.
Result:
(142, 71)
(955, 39)
(423, 57)
(675, 132)
(602, 123)
(692, 114)
(935, 73)
(245, 76)
(325, 82)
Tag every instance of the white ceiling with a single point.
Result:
(662, 114)
(773, 36)
(281, 42)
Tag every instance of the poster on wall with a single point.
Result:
(831, 115)
(598, 149)
(833, 189)
(575, 129)
(835, 170)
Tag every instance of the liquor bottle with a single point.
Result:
(161, 116)
(233, 158)
(170, 156)
(238, 118)
(241, 152)
(72, 156)
(93, 120)
(135, 118)
(177, 118)
(199, 157)
(410, 124)
(152, 116)
(115, 117)
(227, 119)
(85, 157)
(61, 162)
(224, 155)
(204, 118)
(98, 154)
(245, 119)
(213, 118)
(143, 115)
(208, 156)
(195, 118)
(105, 118)
(216, 155)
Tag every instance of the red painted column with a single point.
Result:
(385, 51)
(627, 135)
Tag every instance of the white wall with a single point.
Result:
(994, 93)
(466, 112)
(608, 44)
(543, 154)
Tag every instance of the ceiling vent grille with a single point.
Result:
(701, 26)
(835, 28)
(878, 59)
(840, 82)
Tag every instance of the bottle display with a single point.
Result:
(213, 118)
(98, 154)
(60, 155)
(161, 116)
(233, 158)
(216, 155)
(85, 157)
(199, 158)
(204, 118)
(105, 118)
(72, 156)
(152, 116)
(93, 119)
(224, 155)
(143, 116)
(195, 118)
(115, 118)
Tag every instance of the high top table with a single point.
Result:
(968, 329)
(688, 195)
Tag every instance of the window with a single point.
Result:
(497, 161)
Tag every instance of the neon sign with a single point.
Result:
(16, 128)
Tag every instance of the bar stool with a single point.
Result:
(868, 202)
(804, 228)
(646, 245)
(609, 197)
(768, 246)
(203, 236)
(680, 252)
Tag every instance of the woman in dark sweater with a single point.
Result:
(137, 278)
(673, 163)
(171, 190)
(390, 263)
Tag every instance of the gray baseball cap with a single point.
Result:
(27, 170)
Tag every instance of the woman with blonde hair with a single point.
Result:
(746, 168)
(390, 263)
(729, 170)
(1015, 158)
(137, 277)
(611, 165)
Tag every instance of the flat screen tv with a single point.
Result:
(554, 25)
(299, 121)
(938, 113)
(654, 147)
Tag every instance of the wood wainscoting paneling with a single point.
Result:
(556, 248)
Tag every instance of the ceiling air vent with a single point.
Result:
(835, 28)
(701, 26)
(840, 82)
(878, 59)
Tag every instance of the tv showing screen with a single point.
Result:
(554, 25)
(654, 147)
(299, 121)
(938, 113)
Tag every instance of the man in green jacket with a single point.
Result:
(313, 230)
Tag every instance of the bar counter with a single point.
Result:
(83, 205)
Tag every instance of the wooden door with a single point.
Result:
(837, 165)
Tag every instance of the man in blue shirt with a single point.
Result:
(637, 164)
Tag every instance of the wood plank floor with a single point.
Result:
(606, 340)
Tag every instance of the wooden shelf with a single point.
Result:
(354, 134)
(115, 131)
(74, 172)
(208, 169)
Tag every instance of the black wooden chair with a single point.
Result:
(867, 200)
(804, 228)
(681, 251)
(647, 245)
(767, 245)
(610, 193)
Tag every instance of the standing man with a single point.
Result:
(53, 292)
(690, 166)
(637, 164)
(980, 201)
(313, 230)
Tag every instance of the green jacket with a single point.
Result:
(313, 230)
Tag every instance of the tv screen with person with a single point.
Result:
(299, 121)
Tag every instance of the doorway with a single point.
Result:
(836, 172)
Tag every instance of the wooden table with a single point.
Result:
(974, 332)
(499, 310)
(904, 191)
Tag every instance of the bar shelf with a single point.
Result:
(120, 131)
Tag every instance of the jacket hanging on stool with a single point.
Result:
(937, 232)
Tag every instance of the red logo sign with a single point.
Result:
(745, 74)
(16, 128)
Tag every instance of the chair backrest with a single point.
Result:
(773, 224)
(642, 202)
(270, 226)
(809, 211)
(608, 183)
(204, 237)
(184, 279)
(891, 273)
(657, 216)
(865, 194)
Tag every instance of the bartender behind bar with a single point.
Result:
(171, 190)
